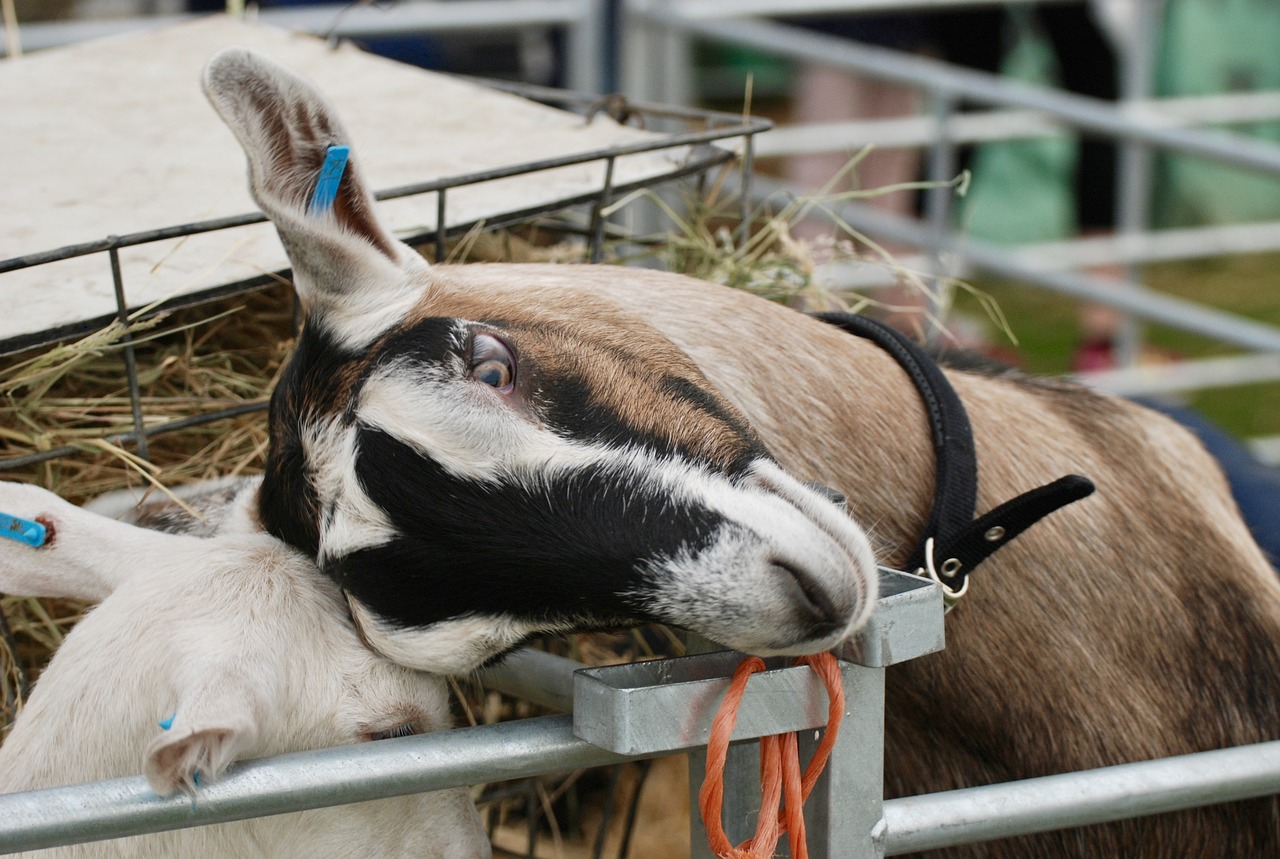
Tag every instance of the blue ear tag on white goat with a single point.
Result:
(335, 164)
(166, 724)
(22, 530)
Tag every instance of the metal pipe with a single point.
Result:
(883, 63)
(942, 163)
(351, 21)
(980, 126)
(585, 50)
(295, 782)
(1189, 375)
(1080, 798)
(1135, 162)
(1131, 298)
(121, 807)
(534, 675)
(738, 8)
(130, 358)
(1162, 246)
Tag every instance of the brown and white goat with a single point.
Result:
(201, 652)
(479, 453)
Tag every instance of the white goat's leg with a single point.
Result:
(85, 556)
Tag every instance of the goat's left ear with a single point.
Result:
(344, 259)
(213, 724)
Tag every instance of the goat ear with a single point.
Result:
(211, 727)
(338, 249)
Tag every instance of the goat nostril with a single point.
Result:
(824, 616)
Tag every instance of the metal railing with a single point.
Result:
(665, 29)
(582, 22)
(701, 129)
(864, 825)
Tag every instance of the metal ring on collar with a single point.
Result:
(950, 595)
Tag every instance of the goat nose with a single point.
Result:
(820, 614)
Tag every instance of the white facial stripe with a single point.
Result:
(449, 647)
(473, 435)
(458, 423)
(351, 520)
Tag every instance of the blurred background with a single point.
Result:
(1084, 187)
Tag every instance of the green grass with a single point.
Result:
(1047, 328)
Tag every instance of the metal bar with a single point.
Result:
(129, 239)
(843, 813)
(119, 807)
(536, 676)
(150, 432)
(1180, 376)
(745, 202)
(1140, 301)
(319, 779)
(1086, 113)
(987, 125)
(739, 127)
(585, 47)
(597, 213)
(130, 359)
(351, 22)
(1135, 159)
(1077, 799)
(442, 230)
(775, 8)
(474, 15)
(941, 168)
(1160, 246)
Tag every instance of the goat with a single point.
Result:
(241, 649)
(477, 453)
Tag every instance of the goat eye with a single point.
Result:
(406, 730)
(492, 363)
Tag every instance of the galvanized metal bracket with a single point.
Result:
(667, 705)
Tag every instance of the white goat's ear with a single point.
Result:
(334, 240)
(211, 727)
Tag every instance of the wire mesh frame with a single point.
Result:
(718, 126)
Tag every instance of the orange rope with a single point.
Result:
(779, 768)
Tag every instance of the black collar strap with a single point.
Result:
(954, 543)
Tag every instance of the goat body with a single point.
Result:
(476, 454)
(243, 650)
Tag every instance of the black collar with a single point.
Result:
(954, 542)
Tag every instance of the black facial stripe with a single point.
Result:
(287, 502)
(565, 549)
(685, 391)
(573, 412)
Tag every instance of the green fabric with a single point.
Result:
(1021, 190)
(1217, 46)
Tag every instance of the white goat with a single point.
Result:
(477, 453)
(237, 640)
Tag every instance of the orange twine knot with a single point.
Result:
(779, 768)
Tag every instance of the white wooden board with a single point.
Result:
(114, 137)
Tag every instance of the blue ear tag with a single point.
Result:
(335, 164)
(166, 724)
(22, 530)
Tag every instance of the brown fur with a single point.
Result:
(587, 338)
(1141, 622)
